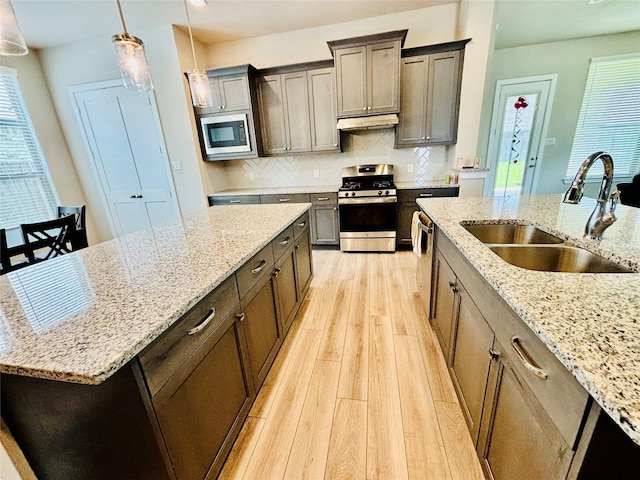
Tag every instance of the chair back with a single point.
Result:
(50, 237)
(5, 260)
(79, 238)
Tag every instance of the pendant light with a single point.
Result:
(198, 79)
(11, 39)
(132, 60)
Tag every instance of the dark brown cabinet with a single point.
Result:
(431, 78)
(304, 264)
(287, 288)
(443, 303)
(368, 73)
(407, 205)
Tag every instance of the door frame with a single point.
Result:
(101, 85)
(494, 137)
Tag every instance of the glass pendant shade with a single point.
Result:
(200, 91)
(132, 62)
(11, 39)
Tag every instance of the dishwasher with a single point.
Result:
(424, 270)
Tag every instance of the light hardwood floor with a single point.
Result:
(359, 389)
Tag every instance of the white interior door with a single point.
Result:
(521, 113)
(124, 139)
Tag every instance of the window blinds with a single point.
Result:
(27, 193)
(609, 118)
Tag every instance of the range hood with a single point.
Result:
(368, 123)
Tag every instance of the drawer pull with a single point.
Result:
(426, 194)
(234, 201)
(276, 272)
(323, 199)
(527, 362)
(285, 241)
(301, 224)
(240, 317)
(209, 316)
(493, 353)
(285, 199)
(259, 267)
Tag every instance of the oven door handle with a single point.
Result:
(366, 200)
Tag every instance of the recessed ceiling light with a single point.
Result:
(202, 3)
(595, 2)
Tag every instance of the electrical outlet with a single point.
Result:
(549, 141)
(176, 165)
(410, 168)
(316, 173)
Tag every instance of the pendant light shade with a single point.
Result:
(198, 79)
(11, 39)
(132, 61)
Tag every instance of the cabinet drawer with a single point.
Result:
(285, 198)
(324, 198)
(233, 199)
(282, 242)
(301, 224)
(164, 356)
(562, 397)
(411, 195)
(257, 267)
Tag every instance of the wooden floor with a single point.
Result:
(359, 389)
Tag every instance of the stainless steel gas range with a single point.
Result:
(367, 204)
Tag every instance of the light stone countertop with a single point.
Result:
(591, 322)
(80, 317)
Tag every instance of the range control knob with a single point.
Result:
(387, 192)
(353, 194)
(379, 192)
(346, 194)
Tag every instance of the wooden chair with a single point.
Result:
(6, 265)
(79, 238)
(50, 238)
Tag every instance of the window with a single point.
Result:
(27, 193)
(609, 118)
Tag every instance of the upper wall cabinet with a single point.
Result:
(230, 92)
(297, 109)
(368, 73)
(430, 94)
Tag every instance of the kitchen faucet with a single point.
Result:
(602, 216)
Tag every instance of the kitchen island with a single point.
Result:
(97, 330)
(589, 321)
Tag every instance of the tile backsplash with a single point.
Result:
(360, 147)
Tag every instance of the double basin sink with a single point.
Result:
(526, 246)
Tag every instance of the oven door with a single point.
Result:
(368, 214)
(225, 134)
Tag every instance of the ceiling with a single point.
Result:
(47, 23)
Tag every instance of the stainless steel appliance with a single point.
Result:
(225, 133)
(367, 204)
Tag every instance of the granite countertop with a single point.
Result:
(591, 322)
(80, 317)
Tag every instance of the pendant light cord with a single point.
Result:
(193, 49)
(122, 17)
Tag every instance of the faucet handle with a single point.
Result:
(613, 199)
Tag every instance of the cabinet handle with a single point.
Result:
(285, 241)
(323, 199)
(301, 224)
(276, 272)
(335, 209)
(285, 199)
(297, 247)
(493, 353)
(234, 201)
(426, 194)
(208, 317)
(421, 138)
(132, 196)
(240, 317)
(453, 287)
(524, 358)
(259, 267)
(364, 109)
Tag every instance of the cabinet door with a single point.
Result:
(517, 439)
(285, 275)
(470, 360)
(295, 101)
(351, 75)
(383, 68)
(443, 97)
(322, 109)
(206, 399)
(324, 220)
(412, 121)
(443, 307)
(405, 215)
(234, 92)
(304, 269)
(274, 139)
(261, 328)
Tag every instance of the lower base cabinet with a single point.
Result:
(287, 288)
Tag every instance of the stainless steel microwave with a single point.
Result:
(225, 133)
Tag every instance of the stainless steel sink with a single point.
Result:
(556, 258)
(504, 233)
